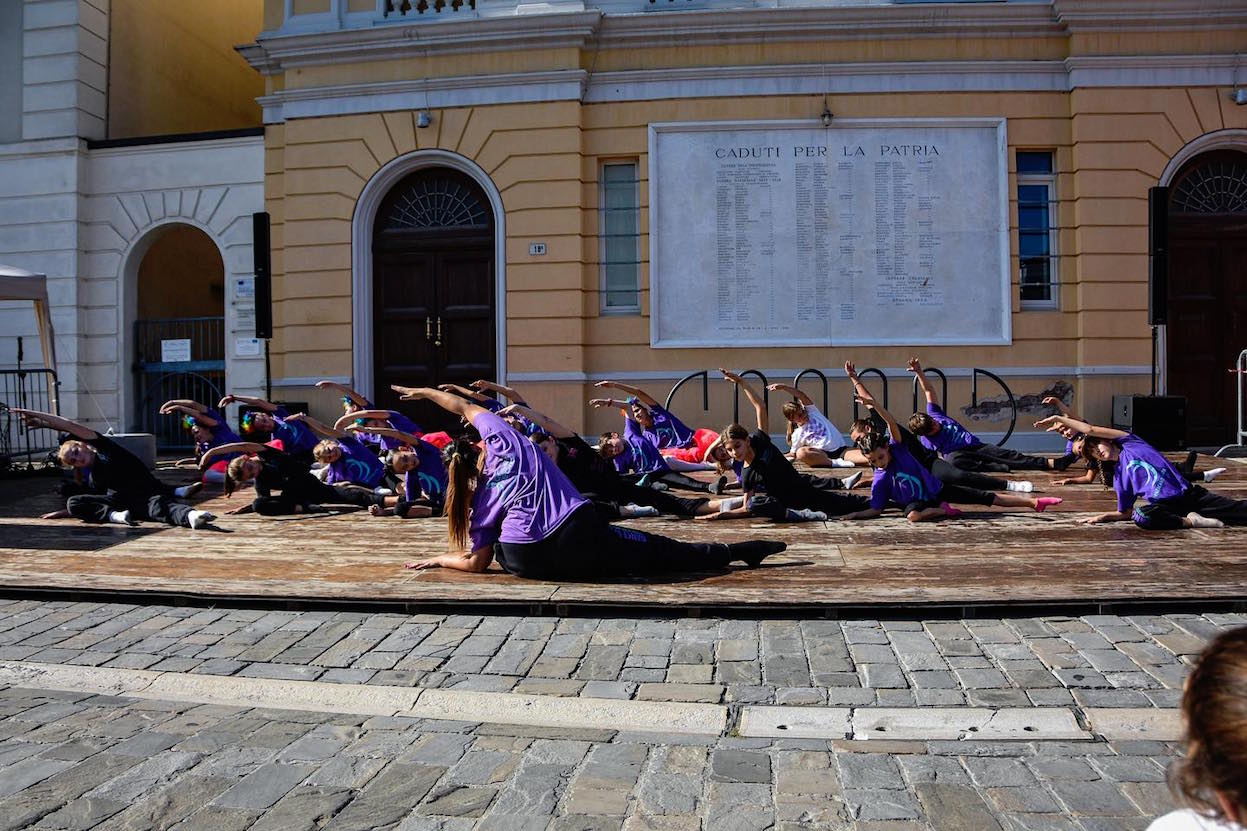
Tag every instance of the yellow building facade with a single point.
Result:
(521, 110)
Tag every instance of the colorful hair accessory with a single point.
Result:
(248, 422)
(631, 400)
(346, 399)
(188, 422)
(361, 422)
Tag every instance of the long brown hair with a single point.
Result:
(233, 474)
(791, 410)
(1214, 707)
(461, 457)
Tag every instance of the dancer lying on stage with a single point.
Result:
(208, 429)
(927, 457)
(901, 481)
(274, 470)
(596, 478)
(671, 436)
(349, 460)
(1139, 471)
(812, 438)
(420, 466)
(271, 419)
(958, 445)
(130, 494)
(773, 487)
(512, 494)
(1073, 452)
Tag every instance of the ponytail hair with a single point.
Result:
(461, 457)
(873, 440)
(233, 474)
(792, 409)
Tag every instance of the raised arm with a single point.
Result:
(205, 461)
(540, 419)
(448, 401)
(35, 418)
(1083, 427)
(611, 402)
(465, 392)
(358, 399)
(380, 415)
(198, 415)
(863, 395)
(510, 393)
(387, 432)
(759, 406)
(916, 368)
(1053, 401)
(639, 394)
(318, 427)
(793, 391)
(258, 403)
(182, 405)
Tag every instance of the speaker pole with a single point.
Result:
(1154, 355)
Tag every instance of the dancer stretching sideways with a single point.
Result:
(509, 492)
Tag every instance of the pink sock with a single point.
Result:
(949, 510)
(1047, 502)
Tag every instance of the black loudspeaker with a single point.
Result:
(1157, 256)
(263, 275)
(1160, 420)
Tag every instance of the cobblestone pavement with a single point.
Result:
(71, 760)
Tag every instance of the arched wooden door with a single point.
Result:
(433, 289)
(1208, 290)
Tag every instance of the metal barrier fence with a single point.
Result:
(28, 389)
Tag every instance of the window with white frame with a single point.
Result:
(1037, 229)
(619, 223)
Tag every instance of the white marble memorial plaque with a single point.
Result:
(867, 232)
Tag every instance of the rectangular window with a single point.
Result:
(1037, 230)
(619, 231)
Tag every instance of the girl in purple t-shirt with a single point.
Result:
(510, 501)
(1140, 471)
(349, 460)
(208, 429)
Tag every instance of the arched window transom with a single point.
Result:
(1215, 186)
(428, 203)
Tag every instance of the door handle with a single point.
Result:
(438, 342)
(428, 328)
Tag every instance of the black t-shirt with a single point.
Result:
(925, 455)
(771, 472)
(117, 469)
(281, 471)
(585, 467)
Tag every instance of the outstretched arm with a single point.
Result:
(639, 394)
(183, 404)
(318, 427)
(540, 419)
(793, 391)
(358, 399)
(1081, 426)
(863, 396)
(387, 432)
(916, 368)
(258, 403)
(476, 561)
(466, 392)
(759, 406)
(199, 415)
(510, 393)
(379, 415)
(448, 401)
(865, 513)
(205, 461)
(1053, 401)
(35, 418)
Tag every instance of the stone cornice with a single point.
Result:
(1078, 16)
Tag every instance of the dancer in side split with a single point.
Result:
(348, 460)
(1139, 471)
(271, 419)
(275, 470)
(509, 492)
(812, 438)
(928, 458)
(958, 445)
(900, 480)
(130, 493)
(673, 438)
(419, 463)
(773, 487)
(639, 460)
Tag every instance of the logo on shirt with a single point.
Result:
(357, 471)
(911, 486)
(1154, 480)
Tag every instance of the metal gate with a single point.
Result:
(176, 358)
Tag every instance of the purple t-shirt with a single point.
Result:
(668, 431)
(951, 437)
(221, 434)
(296, 437)
(903, 481)
(429, 477)
(640, 455)
(1143, 473)
(521, 495)
(357, 465)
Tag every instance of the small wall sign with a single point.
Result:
(536, 249)
(175, 351)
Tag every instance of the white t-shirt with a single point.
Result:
(818, 432)
(1190, 820)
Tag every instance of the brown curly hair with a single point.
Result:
(1214, 707)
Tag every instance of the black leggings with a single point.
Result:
(1167, 514)
(670, 477)
(994, 459)
(950, 475)
(155, 507)
(311, 491)
(827, 501)
(587, 547)
(955, 495)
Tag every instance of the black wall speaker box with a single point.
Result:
(1158, 256)
(263, 261)
(1160, 420)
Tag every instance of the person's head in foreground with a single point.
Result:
(1212, 777)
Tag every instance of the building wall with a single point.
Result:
(173, 68)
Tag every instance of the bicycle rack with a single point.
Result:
(1013, 402)
(705, 389)
(883, 385)
(943, 384)
(796, 382)
(1240, 369)
(766, 397)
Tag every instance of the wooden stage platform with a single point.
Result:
(1023, 559)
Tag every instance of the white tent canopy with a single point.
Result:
(20, 284)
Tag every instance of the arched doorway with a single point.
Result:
(179, 327)
(1207, 290)
(433, 287)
